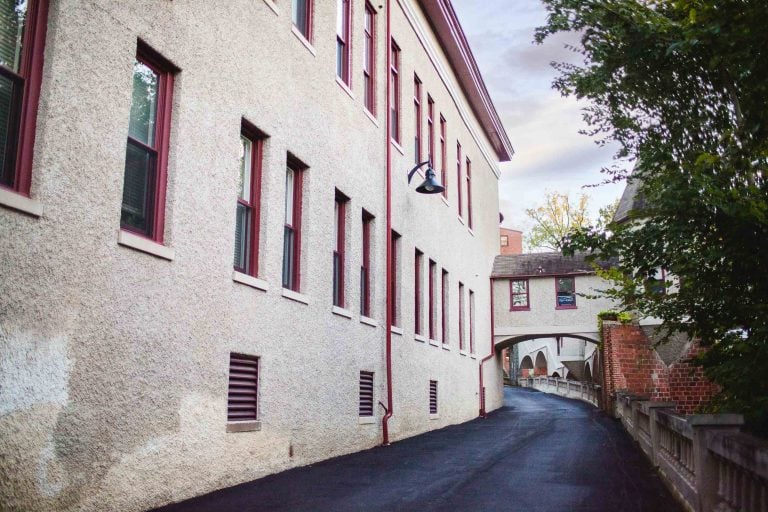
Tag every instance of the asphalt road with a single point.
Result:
(539, 453)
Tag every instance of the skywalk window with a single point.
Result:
(566, 292)
(519, 296)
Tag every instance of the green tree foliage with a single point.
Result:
(559, 216)
(682, 87)
(554, 219)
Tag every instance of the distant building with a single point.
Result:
(545, 315)
(510, 241)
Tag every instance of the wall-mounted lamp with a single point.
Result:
(430, 184)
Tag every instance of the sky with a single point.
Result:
(550, 153)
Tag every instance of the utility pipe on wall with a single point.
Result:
(388, 326)
(486, 358)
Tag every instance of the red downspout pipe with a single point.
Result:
(388, 326)
(486, 358)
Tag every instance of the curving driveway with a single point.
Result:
(539, 453)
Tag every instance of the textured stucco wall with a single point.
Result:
(113, 363)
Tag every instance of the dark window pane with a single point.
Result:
(137, 188)
(242, 242)
(340, 71)
(10, 101)
(337, 279)
(363, 291)
(300, 15)
(288, 256)
(12, 17)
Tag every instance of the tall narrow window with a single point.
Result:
(365, 267)
(431, 308)
(443, 157)
(444, 303)
(430, 130)
(146, 158)
(248, 213)
(22, 38)
(339, 247)
(433, 397)
(394, 71)
(519, 295)
(565, 288)
(302, 17)
(365, 409)
(461, 316)
(294, 176)
(369, 59)
(469, 193)
(417, 117)
(471, 322)
(343, 30)
(395, 279)
(458, 180)
(243, 395)
(417, 292)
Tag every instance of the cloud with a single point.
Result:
(544, 127)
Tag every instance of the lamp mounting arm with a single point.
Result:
(418, 166)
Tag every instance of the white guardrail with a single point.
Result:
(705, 459)
(568, 388)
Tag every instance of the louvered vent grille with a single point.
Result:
(433, 397)
(243, 388)
(366, 394)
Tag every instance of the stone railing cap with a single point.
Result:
(657, 405)
(716, 420)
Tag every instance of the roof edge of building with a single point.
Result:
(447, 28)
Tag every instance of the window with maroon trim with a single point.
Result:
(461, 316)
(248, 212)
(294, 177)
(443, 156)
(365, 267)
(146, 156)
(369, 59)
(430, 130)
(444, 303)
(458, 180)
(519, 296)
(431, 325)
(469, 193)
(471, 322)
(565, 288)
(22, 41)
(395, 279)
(339, 247)
(394, 72)
(343, 43)
(302, 14)
(418, 260)
(417, 117)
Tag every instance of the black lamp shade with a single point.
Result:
(430, 184)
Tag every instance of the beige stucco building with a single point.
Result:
(125, 326)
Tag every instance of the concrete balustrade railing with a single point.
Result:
(705, 459)
(586, 391)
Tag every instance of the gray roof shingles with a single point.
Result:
(542, 264)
